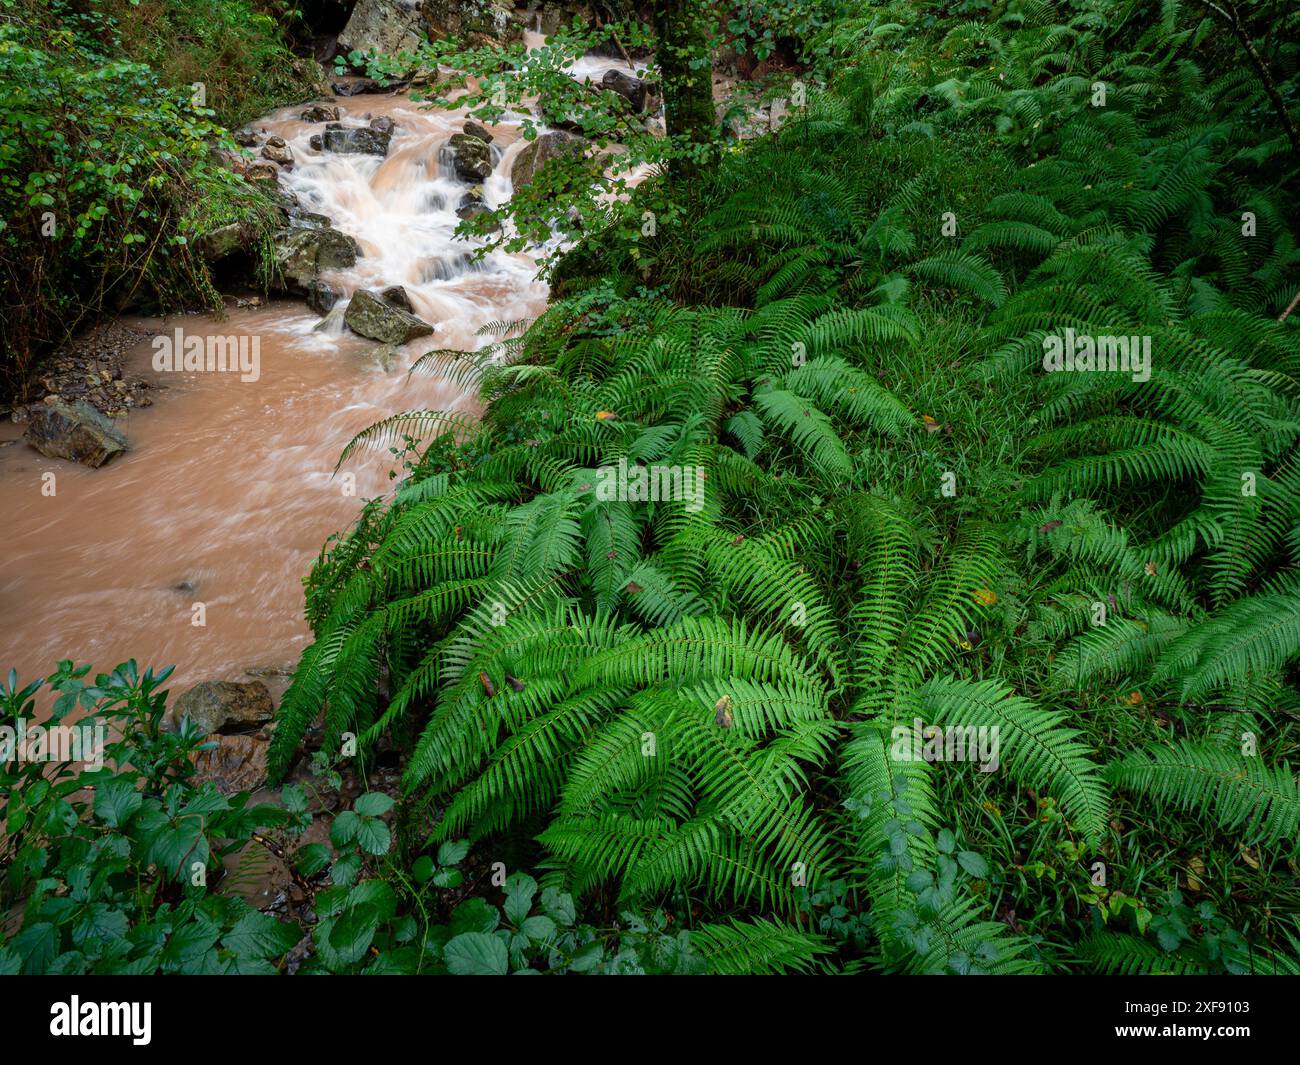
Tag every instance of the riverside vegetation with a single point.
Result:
(666, 735)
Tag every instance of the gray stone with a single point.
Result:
(492, 19)
(370, 316)
(383, 26)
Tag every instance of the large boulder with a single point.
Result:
(77, 432)
(302, 255)
(371, 317)
(545, 148)
(470, 157)
(475, 19)
(383, 26)
(226, 706)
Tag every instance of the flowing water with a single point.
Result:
(227, 494)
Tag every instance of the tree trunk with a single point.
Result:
(683, 54)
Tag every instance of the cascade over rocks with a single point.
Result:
(77, 432)
(370, 316)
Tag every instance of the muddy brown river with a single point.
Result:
(226, 495)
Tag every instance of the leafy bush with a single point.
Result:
(107, 179)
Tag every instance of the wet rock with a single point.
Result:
(316, 142)
(544, 149)
(246, 138)
(238, 763)
(77, 432)
(471, 157)
(477, 129)
(302, 255)
(383, 125)
(395, 296)
(636, 92)
(225, 706)
(370, 316)
(321, 297)
(321, 113)
(355, 141)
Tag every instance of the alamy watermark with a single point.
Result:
(1103, 354)
(179, 353)
(54, 743)
(919, 742)
(655, 483)
(77, 1018)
